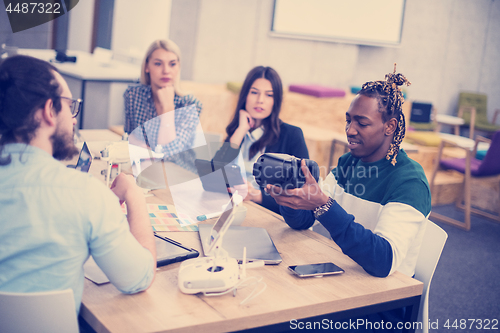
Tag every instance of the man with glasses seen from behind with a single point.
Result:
(53, 217)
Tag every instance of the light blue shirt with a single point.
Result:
(52, 218)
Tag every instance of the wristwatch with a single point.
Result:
(318, 211)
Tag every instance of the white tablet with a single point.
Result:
(223, 222)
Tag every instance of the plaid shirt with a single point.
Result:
(141, 119)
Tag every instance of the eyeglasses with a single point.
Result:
(75, 107)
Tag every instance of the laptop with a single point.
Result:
(212, 180)
(257, 240)
(84, 160)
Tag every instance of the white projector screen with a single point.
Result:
(365, 22)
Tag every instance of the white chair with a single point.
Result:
(430, 252)
(51, 312)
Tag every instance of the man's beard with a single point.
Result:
(63, 147)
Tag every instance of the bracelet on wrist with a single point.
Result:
(318, 211)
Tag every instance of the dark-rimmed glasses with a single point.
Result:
(75, 107)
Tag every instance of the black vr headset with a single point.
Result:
(282, 170)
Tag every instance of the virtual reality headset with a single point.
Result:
(282, 170)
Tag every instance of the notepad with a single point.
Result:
(166, 218)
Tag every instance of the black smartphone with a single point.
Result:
(327, 268)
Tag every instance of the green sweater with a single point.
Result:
(378, 215)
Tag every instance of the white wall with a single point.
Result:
(230, 44)
(447, 46)
(81, 20)
(136, 24)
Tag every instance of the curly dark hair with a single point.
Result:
(390, 101)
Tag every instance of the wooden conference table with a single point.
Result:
(164, 308)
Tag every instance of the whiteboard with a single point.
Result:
(365, 22)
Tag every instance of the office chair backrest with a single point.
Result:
(51, 312)
(491, 161)
(477, 101)
(430, 252)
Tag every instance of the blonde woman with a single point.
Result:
(155, 110)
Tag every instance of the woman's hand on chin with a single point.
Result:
(246, 121)
(245, 124)
(165, 97)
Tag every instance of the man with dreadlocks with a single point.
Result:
(375, 202)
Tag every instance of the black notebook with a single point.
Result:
(168, 251)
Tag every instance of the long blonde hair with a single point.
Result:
(169, 46)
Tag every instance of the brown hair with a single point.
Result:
(26, 83)
(272, 123)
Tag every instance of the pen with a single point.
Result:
(208, 216)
